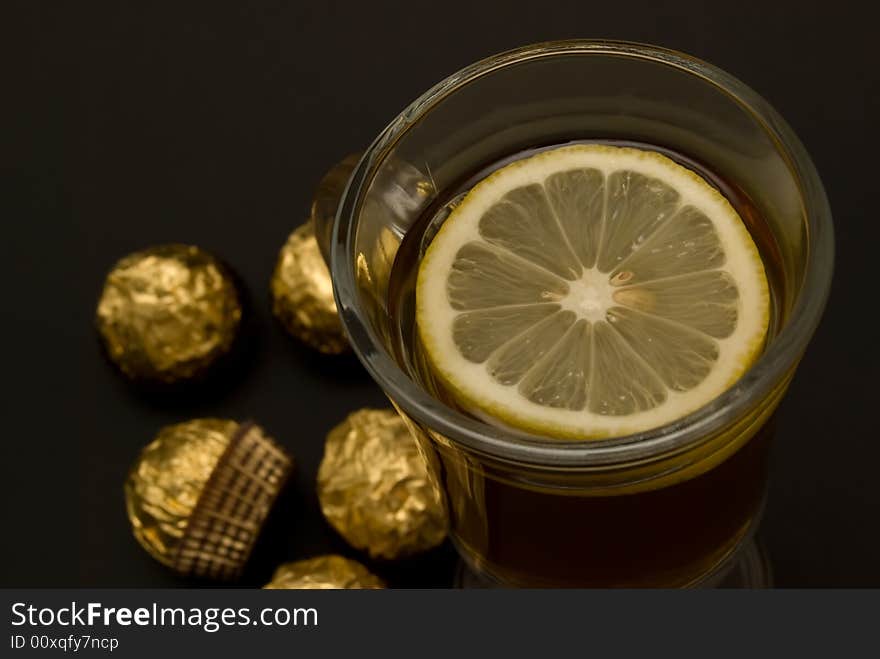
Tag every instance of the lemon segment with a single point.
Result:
(591, 291)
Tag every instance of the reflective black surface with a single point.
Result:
(211, 123)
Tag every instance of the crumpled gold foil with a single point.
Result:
(374, 487)
(200, 491)
(323, 573)
(374, 273)
(167, 313)
(168, 480)
(326, 200)
(302, 294)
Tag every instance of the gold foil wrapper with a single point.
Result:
(302, 294)
(167, 313)
(199, 493)
(323, 573)
(326, 200)
(375, 490)
(374, 273)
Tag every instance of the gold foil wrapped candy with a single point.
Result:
(326, 200)
(323, 573)
(302, 294)
(374, 487)
(167, 313)
(198, 495)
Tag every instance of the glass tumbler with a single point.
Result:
(662, 508)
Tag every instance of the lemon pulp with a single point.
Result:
(591, 291)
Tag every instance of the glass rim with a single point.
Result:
(513, 445)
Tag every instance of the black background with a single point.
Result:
(136, 123)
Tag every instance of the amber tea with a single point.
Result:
(597, 540)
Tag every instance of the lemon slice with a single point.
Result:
(591, 291)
